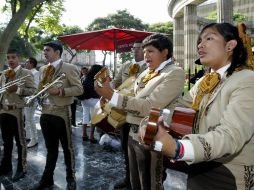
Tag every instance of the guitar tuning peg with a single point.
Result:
(165, 116)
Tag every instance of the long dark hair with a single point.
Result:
(93, 71)
(230, 32)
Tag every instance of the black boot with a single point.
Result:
(42, 185)
(5, 168)
(45, 182)
(71, 184)
(18, 175)
(122, 183)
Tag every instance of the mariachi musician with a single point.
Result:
(123, 83)
(16, 83)
(128, 70)
(220, 152)
(55, 120)
(159, 86)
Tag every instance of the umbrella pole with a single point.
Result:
(114, 73)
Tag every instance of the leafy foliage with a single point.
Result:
(166, 28)
(238, 17)
(121, 19)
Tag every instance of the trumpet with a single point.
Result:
(19, 82)
(57, 82)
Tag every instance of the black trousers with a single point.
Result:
(11, 128)
(146, 167)
(73, 112)
(54, 129)
(140, 161)
(124, 135)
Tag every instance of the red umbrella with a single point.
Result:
(113, 39)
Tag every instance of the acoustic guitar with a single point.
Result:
(182, 122)
(101, 76)
(106, 117)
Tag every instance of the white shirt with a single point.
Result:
(36, 75)
(188, 147)
(114, 99)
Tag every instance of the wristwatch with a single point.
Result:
(157, 146)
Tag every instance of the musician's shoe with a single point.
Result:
(18, 175)
(74, 126)
(85, 138)
(71, 184)
(122, 183)
(33, 142)
(5, 171)
(93, 141)
(43, 184)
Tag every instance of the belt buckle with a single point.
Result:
(7, 107)
(134, 128)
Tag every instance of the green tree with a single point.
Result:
(45, 16)
(238, 17)
(19, 10)
(67, 30)
(212, 15)
(162, 27)
(121, 19)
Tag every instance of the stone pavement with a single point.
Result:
(97, 168)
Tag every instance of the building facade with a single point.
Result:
(81, 59)
(189, 17)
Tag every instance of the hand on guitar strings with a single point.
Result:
(168, 142)
(103, 101)
(105, 89)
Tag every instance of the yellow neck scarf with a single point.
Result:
(133, 69)
(48, 74)
(206, 86)
(151, 74)
(10, 74)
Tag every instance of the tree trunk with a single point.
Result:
(13, 26)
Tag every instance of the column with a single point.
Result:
(225, 11)
(190, 37)
(178, 41)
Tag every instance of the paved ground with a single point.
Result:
(97, 168)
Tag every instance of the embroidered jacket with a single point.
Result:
(225, 133)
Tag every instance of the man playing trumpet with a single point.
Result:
(16, 83)
(55, 120)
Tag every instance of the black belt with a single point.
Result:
(53, 107)
(134, 128)
(8, 107)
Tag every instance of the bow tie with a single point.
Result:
(48, 74)
(50, 69)
(151, 74)
(133, 69)
(206, 86)
(10, 74)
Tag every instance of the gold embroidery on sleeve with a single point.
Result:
(249, 177)
(207, 148)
